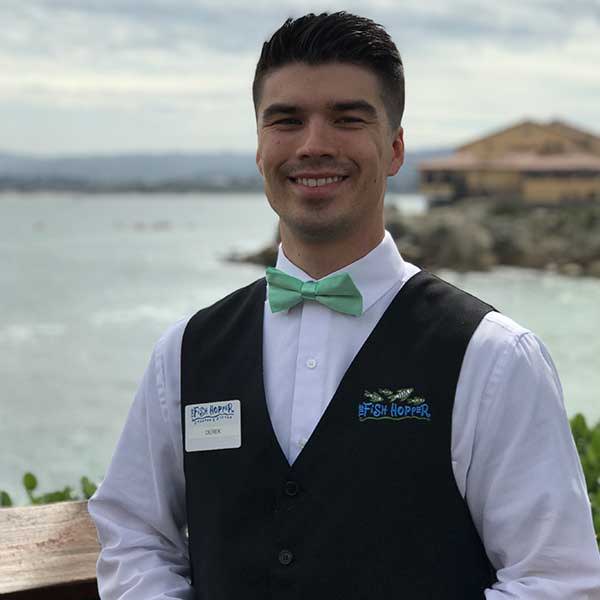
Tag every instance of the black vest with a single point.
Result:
(370, 509)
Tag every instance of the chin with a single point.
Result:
(319, 230)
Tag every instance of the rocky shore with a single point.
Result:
(479, 235)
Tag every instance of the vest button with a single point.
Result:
(285, 557)
(291, 488)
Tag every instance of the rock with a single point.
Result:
(266, 257)
(444, 239)
(571, 269)
(593, 269)
(473, 236)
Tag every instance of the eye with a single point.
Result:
(351, 120)
(289, 121)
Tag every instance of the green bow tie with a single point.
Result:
(338, 292)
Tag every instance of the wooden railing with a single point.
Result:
(48, 552)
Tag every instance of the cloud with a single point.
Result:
(237, 26)
(187, 67)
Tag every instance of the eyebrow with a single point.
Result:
(342, 106)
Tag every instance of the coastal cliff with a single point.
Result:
(479, 235)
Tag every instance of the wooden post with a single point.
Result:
(48, 551)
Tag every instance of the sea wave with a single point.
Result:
(143, 312)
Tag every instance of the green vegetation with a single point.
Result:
(587, 441)
(30, 483)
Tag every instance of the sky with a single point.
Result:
(121, 76)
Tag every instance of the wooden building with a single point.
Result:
(537, 163)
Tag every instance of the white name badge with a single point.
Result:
(213, 426)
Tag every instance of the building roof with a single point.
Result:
(530, 162)
(586, 142)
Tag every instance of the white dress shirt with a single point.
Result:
(512, 452)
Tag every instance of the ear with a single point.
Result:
(259, 162)
(397, 152)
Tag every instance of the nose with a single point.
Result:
(318, 139)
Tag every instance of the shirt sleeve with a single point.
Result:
(139, 508)
(524, 484)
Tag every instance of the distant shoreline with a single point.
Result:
(170, 172)
(140, 188)
(171, 188)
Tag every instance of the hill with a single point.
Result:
(158, 172)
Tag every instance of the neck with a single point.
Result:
(320, 258)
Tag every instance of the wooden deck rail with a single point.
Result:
(48, 552)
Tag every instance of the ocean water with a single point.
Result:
(89, 283)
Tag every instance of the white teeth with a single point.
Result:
(318, 182)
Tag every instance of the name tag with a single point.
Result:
(213, 426)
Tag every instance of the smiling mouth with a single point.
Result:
(318, 183)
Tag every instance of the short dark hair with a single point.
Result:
(337, 37)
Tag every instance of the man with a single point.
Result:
(357, 428)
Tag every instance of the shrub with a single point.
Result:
(587, 441)
(30, 484)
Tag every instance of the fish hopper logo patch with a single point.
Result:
(392, 405)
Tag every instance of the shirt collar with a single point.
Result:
(373, 274)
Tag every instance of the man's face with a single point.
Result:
(321, 122)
